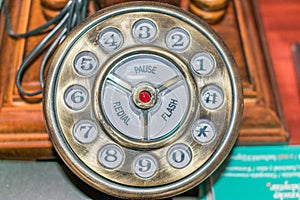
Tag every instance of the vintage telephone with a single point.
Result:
(143, 100)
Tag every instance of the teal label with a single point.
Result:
(263, 172)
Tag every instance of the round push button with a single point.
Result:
(145, 96)
(110, 39)
(76, 97)
(86, 63)
(145, 165)
(85, 131)
(203, 131)
(202, 63)
(178, 39)
(179, 156)
(144, 30)
(111, 156)
(212, 97)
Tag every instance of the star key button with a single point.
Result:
(203, 131)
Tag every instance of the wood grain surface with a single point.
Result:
(281, 21)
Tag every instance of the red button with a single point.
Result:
(145, 96)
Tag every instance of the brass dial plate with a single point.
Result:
(118, 146)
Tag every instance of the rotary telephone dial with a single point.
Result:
(143, 100)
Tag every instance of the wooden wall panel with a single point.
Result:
(280, 20)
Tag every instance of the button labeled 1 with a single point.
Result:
(202, 64)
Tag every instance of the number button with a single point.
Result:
(111, 156)
(179, 156)
(178, 39)
(86, 63)
(212, 97)
(85, 131)
(110, 39)
(202, 63)
(203, 131)
(145, 165)
(76, 97)
(144, 30)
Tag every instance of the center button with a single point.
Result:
(144, 96)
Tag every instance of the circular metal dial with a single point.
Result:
(143, 101)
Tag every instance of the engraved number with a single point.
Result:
(77, 97)
(144, 165)
(87, 130)
(178, 40)
(111, 41)
(86, 64)
(201, 65)
(178, 156)
(145, 32)
(111, 155)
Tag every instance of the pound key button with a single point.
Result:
(212, 97)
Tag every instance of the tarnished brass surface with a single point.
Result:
(83, 158)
